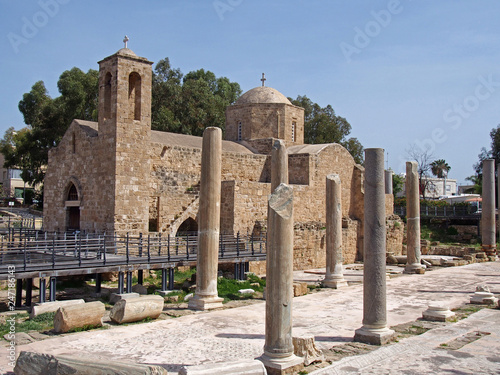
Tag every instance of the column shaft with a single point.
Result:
(278, 348)
(206, 296)
(413, 264)
(374, 329)
(279, 164)
(488, 223)
(334, 277)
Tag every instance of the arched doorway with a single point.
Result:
(189, 226)
(72, 209)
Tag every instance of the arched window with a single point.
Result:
(134, 94)
(239, 131)
(107, 96)
(72, 193)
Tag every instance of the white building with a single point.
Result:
(435, 187)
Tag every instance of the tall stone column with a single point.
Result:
(488, 223)
(388, 181)
(206, 296)
(279, 164)
(278, 349)
(334, 277)
(374, 329)
(413, 263)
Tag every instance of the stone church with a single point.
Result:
(118, 175)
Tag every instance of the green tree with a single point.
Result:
(397, 184)
(47, 120)
(322, 125)
(440, 168)
(188, 104)
(492, 153)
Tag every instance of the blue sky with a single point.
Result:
(423, 73)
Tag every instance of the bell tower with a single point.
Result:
(125, 135)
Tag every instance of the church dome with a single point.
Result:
(262, 94)
(126, 52)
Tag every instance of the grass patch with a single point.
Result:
(228, 288)
(181, 276)
(42, 322)
(86, 327)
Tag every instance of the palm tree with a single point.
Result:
(440, 168)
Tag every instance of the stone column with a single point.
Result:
(334, 277)
(488, 223)
(278, 349)
(206, 296)
(388, 181)
(413, 264)
(279, 164)
(374, 329)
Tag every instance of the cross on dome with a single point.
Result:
(125, 40)
(263, 79)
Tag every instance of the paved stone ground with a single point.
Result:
(429, 353)
(330, 315)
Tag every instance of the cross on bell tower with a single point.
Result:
(125, 40)
(263, 79)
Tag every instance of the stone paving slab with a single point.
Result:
(425, 354)
(232, 334)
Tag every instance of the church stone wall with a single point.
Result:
(265, 120)
(175, 178)
(64, 168)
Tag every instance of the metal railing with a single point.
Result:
(446, 211)
(32, 250)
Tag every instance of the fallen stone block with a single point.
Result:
(29, 363)
(299, 289)
(246, 291)
(46, 307)
(426, 263)
(115, 297)
(79, 316)
(135, 309)
(449, 262)
(306, 347)
(253, 367)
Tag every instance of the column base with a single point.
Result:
(202, 303)
(334, 283)
(282, 365)
(414, 268)
(374, 336)
(490, 250)
(438, 313)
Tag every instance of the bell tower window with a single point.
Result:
(134, 95)
(107, 96)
